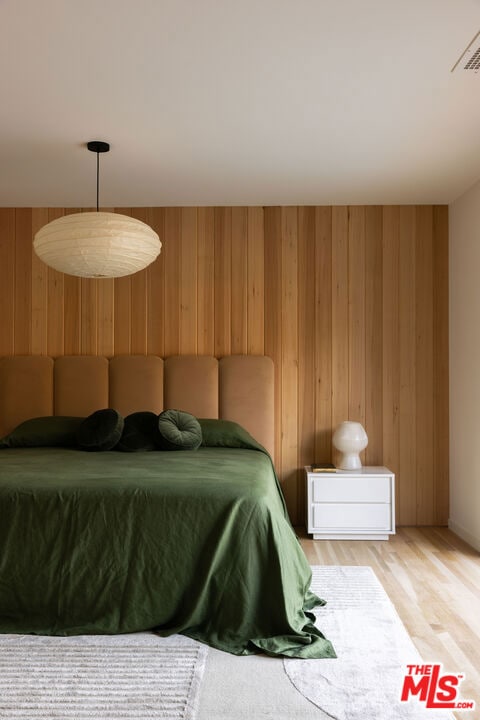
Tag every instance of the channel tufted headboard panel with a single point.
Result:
(238, 387)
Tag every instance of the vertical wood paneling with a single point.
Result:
(255, 282)
(105, 316)
(171, 257)
(440, 363)
(139, 313)
(72, 317)
(373, 335)
(351, 303)
(7, 280)
(56, 308)
(239, 281)
(306, 345)
(56, 313)
(322, 388)
(407, 313)
(206, 281)
(40, 272)
(356, 315)
(139, 301)
(223, 281)
(23, 282)
(88, 316)
(188, 283)
(122, 315)
(424, 366)
(273, 316)
(289, 355)
(391, 345)
(156, 289)
(340, 325)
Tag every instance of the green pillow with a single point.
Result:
(100, 431)
(49, 431)
(226, 433)
(140, 432)
(179, 431)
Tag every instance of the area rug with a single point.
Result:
(373, 648)
(139, 676)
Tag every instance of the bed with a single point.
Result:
(196, 541)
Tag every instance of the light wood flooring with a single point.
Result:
(433, 579)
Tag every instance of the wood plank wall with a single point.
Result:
(350, 302)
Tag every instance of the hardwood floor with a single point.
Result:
(433, 579)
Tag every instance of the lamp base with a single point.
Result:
(349, 461)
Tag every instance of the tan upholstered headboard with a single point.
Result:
(238, 387)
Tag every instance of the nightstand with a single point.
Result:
(351, 504)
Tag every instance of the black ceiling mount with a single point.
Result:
(98, 146)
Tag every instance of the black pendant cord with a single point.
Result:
(98, 146)
(98, 176)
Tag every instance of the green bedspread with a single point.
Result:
(195, 542)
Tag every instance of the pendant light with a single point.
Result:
(97, 244)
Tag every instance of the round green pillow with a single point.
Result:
(140, 432)
(179, 431)
(100, 431)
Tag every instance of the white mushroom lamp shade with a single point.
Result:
(350, 439)
(97, 245)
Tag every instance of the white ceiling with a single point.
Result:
(242, 102)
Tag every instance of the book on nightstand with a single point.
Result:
(323, 468)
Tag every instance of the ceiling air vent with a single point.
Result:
(470, 58)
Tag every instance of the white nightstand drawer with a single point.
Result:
(354, 504)
(346, 516)
(341, 488)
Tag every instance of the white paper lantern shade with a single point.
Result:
(97, 245)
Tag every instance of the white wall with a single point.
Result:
(464, 239)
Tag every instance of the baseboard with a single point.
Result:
(464, 534)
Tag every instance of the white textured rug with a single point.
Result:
(373, 649)
(139, 676)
